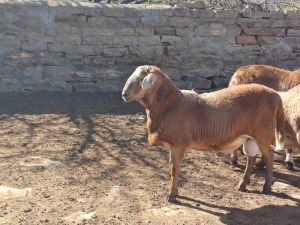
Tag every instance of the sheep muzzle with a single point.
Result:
(126, 97)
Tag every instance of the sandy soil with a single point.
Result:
(84, 159)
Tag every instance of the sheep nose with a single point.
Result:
(125, 96)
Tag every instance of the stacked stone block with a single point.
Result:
(79, 46)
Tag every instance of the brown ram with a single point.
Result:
(220, 121)
(275, 78)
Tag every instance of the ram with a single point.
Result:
(275, 78)
(279, 80)
(219, 121)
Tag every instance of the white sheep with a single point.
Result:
(291, 100)
(220, 121)
(279, 80)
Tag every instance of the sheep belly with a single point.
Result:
(246, 140)
(241, 140)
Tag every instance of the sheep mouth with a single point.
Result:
(128, 99)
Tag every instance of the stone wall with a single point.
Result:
(72, 46)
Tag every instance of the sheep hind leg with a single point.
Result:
(289, 161)
(176, 157)
(248, 172)
(268, 159)
(250, 148)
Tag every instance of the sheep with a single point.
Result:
(290, 100)
(275, 78)
(219, 121)
(295, 89)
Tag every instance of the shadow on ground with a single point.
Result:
(106, 169)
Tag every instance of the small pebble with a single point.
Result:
(46, 195)
(27, 210)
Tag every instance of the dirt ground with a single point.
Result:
(83, 159)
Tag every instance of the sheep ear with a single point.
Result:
(148, 81)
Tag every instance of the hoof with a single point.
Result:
(266, 190)
(241, 187)
(289, 165)
(171, 198)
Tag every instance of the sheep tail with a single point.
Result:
(280, 129)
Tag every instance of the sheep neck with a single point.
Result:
(159, 104)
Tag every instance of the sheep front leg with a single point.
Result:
(176, 157)
(248, 171)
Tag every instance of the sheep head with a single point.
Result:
(137, 85)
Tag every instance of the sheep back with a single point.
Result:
(275, 78)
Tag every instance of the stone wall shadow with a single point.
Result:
(43, 102)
